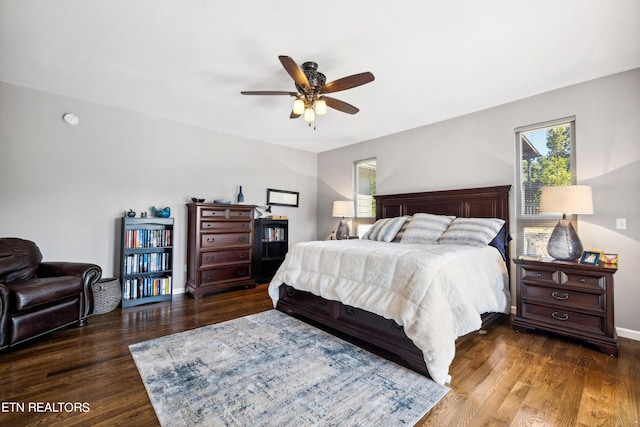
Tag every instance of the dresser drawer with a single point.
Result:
(564, 319)
(237, 272)
(224, 257)
(564, 297)
(226, 225)
(214, 213)
(222, 240)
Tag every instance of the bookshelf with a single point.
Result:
(271, 243)
(146, 261)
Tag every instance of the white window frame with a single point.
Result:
(524, 219)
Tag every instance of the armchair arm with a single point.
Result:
(90, 274)
(4, 316)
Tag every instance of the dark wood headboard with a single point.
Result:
(484, 202)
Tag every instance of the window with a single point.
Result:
(364, 188)
(546, 153)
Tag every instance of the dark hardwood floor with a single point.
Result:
(501, 378)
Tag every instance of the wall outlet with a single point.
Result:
(621, 223)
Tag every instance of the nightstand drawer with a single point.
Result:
(537, 275)
(584, 280)
(565, 319)
(564, 297)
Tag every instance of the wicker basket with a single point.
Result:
(106, 295)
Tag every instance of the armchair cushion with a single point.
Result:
(44, 290)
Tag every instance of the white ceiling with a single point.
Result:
(188, 60)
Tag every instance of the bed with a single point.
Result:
(407, 301)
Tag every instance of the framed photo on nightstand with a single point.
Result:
(590, 258)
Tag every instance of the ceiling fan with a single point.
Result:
(310, 83)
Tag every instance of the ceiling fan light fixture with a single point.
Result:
(309, 115)
(321, 107)
(298, 106)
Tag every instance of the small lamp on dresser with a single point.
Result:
(564, 243)
(342, 209)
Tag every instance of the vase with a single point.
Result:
(240, 196)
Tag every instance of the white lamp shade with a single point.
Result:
(567, 199)
(309, 115)
(321, 107)
(343, 208)
(298, 106)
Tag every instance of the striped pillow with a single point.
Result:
(426, 228)
(385, 229)
(471, 231)
(398, 237)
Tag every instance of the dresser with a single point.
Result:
(567, 298)
(219, 247)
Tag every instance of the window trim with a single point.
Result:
(357, 218)
(528, 220)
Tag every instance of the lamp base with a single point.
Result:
(564, 243)
(342, 233)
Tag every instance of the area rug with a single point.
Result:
(269, 369)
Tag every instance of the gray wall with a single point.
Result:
(66, 187)
(479, 150)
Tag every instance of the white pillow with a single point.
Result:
(471, 231)
(385, 229)
(426, 228)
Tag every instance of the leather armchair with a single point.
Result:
(40, 297)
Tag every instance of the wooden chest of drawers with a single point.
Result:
(219, 247)
(567, 298)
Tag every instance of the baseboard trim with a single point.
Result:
(628, 333)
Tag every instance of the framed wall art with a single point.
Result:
(282, 198)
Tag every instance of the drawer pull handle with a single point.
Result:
(564, 317)
(322, 302)
(350, 310)
(210, 258)
(560, 297)
(242, 256)
(210, 276)
(539, 275)
(242, 239)
(290, 291)
(211, 239)
(582, 280)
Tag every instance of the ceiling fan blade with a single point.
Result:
(336, 104)
(347, 82)
(294, 115)
(268, 92)
(294, 71)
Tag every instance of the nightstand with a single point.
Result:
(567, 298)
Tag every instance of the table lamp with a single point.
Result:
(564, 243)
(343, 209)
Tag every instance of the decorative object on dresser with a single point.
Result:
(219, 247)
(564, 243)
(342, 209)
(567, 298)
(240, 198)
(271, 243)
(146, 261)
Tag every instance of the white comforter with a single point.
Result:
(436, 292)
